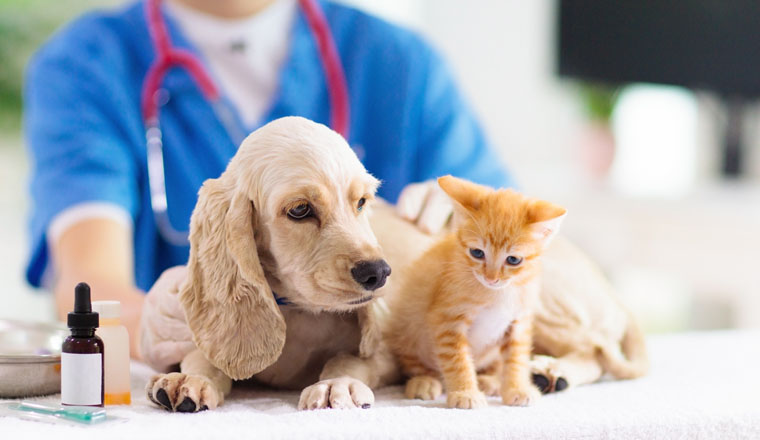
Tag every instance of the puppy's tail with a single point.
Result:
(630, 359)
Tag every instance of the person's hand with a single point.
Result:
(426, 205)
(165, 338)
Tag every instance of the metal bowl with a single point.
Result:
(30, 358)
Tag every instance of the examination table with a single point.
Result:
(701, 385)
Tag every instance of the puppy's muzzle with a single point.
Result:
(371, 275)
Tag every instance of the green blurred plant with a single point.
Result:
(599, 100)
(24, 25)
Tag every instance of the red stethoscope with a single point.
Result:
(168, 56)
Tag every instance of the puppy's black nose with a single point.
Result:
(371, 274)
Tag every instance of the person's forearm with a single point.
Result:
(130, 297)
(99, 252)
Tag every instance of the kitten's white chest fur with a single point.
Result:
(491, 322)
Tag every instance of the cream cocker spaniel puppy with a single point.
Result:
(285, 276)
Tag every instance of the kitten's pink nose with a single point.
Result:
(492, 281)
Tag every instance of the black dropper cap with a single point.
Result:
(83, 317)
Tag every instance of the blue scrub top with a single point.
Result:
(86, 136)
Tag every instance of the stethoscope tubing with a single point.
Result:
(168, 56)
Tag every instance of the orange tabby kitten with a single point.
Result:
(467, 306)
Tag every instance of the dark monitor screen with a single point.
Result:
(702, 44)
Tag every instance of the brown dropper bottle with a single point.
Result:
(82, 355)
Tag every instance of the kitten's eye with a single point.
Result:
(300, 212)
(513, 261)
(361, 203)
(477, 253)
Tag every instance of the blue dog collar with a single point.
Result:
(281, 301)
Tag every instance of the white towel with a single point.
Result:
(701, 386)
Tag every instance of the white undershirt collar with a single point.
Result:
(244, 55)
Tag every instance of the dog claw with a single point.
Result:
(561, 384)
(187, 405)
(542, 383)
(546, 386)
(163, 399)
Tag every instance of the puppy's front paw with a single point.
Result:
(470, 399)
(343, 392)
(183, 392)
(524, 395)
(547, 375)
(423, 387)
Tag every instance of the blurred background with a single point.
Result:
(662, 182)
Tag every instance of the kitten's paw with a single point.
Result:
(466, 399)
(339, 393)
(525, 395)
(489, 384)
(423, 387)
(547, 375)
(181, 392)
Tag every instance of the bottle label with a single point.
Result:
(81, 379)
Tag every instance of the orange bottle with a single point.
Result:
(116, 341)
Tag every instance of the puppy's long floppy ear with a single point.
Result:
(228, 303)
(544, 220)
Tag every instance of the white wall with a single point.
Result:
(502, 54)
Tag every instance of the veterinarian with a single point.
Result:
(128, 112)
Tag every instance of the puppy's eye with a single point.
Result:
(360, 204)
(513, 261)
(300, 212)
(477, 253)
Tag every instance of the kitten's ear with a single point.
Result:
(464, 192)
(544, 220)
